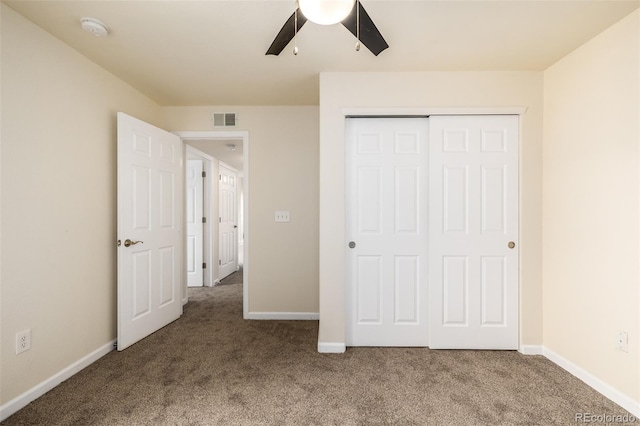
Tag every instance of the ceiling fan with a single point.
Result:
(352, 15)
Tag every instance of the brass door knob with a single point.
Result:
(128, 243)
(511, 244)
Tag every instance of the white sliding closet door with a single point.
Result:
(473, 232)
(387, 221)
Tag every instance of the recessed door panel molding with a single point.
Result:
(141, 266)
(407, 289)
(167, 292)
(494, 208)
(494, 290)
(456, 198)
(369, 200)
(386, 244)
(167, 201)
(473, 303)
(369, 143)
(369, 281)
(141, 177)
(190, 210)
(455, 290)
(455, 140)
(167, 151)
(407, 189)
(493, 140)
(407, 143)
(141, 144)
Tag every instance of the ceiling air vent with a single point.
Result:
(225, 119)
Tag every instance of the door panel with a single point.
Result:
(387, 220)
(473, 274)
(150, 271)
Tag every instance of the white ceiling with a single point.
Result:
(186, 52)
(219, 149)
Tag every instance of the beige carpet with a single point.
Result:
(213, 368)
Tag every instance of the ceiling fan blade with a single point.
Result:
(286, 34)
(369, 34)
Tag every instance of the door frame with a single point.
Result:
(244, 136)
(420, 112)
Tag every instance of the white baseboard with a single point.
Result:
(37, 391)
(605, 389)
(531, 349)
(331, 348)
(282, 316)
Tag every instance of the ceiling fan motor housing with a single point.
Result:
(326, 12)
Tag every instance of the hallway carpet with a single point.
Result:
(211, 367)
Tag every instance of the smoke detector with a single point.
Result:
(94, 27)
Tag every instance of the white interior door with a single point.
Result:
(228, 221)
(194, 214)
(150, 200)
(387, 225)
(473, 269)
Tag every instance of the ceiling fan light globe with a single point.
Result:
(326, 12)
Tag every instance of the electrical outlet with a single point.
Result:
(23, 341)
(622, 341)
(282, 216)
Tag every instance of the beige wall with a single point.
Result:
(58, 202)
(590, 205)
(283, 175)
(427, 89)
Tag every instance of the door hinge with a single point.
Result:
(204, 174)
(204, 266)
(219, 261)
(220, 178)
(204, 220)
(220, 220)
